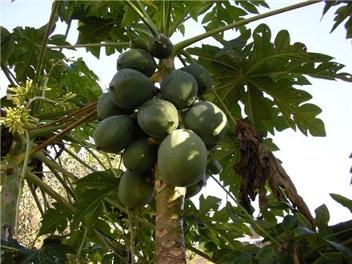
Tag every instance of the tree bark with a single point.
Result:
(169, 237)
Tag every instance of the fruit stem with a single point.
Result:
(183, 44)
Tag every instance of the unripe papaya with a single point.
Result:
(106, 108)
(182, 158)
(180, 88)
(202, 76)
(137, 59)
(139, 156)
(114, 133)
(130, 88)
(134, 190)
(208, 121)
(158, 118)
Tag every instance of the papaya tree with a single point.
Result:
(175, 115)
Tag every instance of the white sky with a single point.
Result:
(317, 166)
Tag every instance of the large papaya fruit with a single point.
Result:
(158, 118)
(106, 108)
(207, 120)
(202, 76)
(137, 59)
(134, 190)
(182, 158)
(130, 88)
(139, 156)
(114, 133)
(180, 88)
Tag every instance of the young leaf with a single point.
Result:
(342, 200)
(322, 216)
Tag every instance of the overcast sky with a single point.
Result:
(317, 166)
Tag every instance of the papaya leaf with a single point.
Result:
(91, 190)
(263, 75)
(343, 13)
(344, 201)
(90, 206)
(54, 219)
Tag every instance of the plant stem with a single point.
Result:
(64, 131)
(90, 45)
(8, 75)
(73, 155)
(183, 44)
(52, 164)
(144, 16)
(36, 198)
(168, 16)
(31, 177)
(82, 242)
(53, 15)
(200, 253)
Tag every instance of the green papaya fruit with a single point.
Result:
(130, 88)
(160, 46)
(202, 76)
(139, 156)
(134, 190)
(106, 108)
(207, 120)
(158, 118)
(114, 133)
(180, 88)
(137, 59)
(182, 158)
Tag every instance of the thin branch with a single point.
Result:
(8, 75)
(31, 177)
(73, 155)
(90, 45)
(183, 44)
(52, 164)
(36, 198)
(63, 132)
(168, 16)
(144, 16)
(53, 16)
(200, 253)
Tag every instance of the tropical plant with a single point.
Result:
(51, 108)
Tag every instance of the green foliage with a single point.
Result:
(263, 75)
(344, 12)
(257, 71)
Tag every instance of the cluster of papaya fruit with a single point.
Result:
(168, 126)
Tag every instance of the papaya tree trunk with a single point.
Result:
(10, 192)
(169, 200)
(169, 237)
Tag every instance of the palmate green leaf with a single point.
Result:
(91, 190)
(54, 219)
(343, 13)
(263, 75)
(26, 46)
(79, 79)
